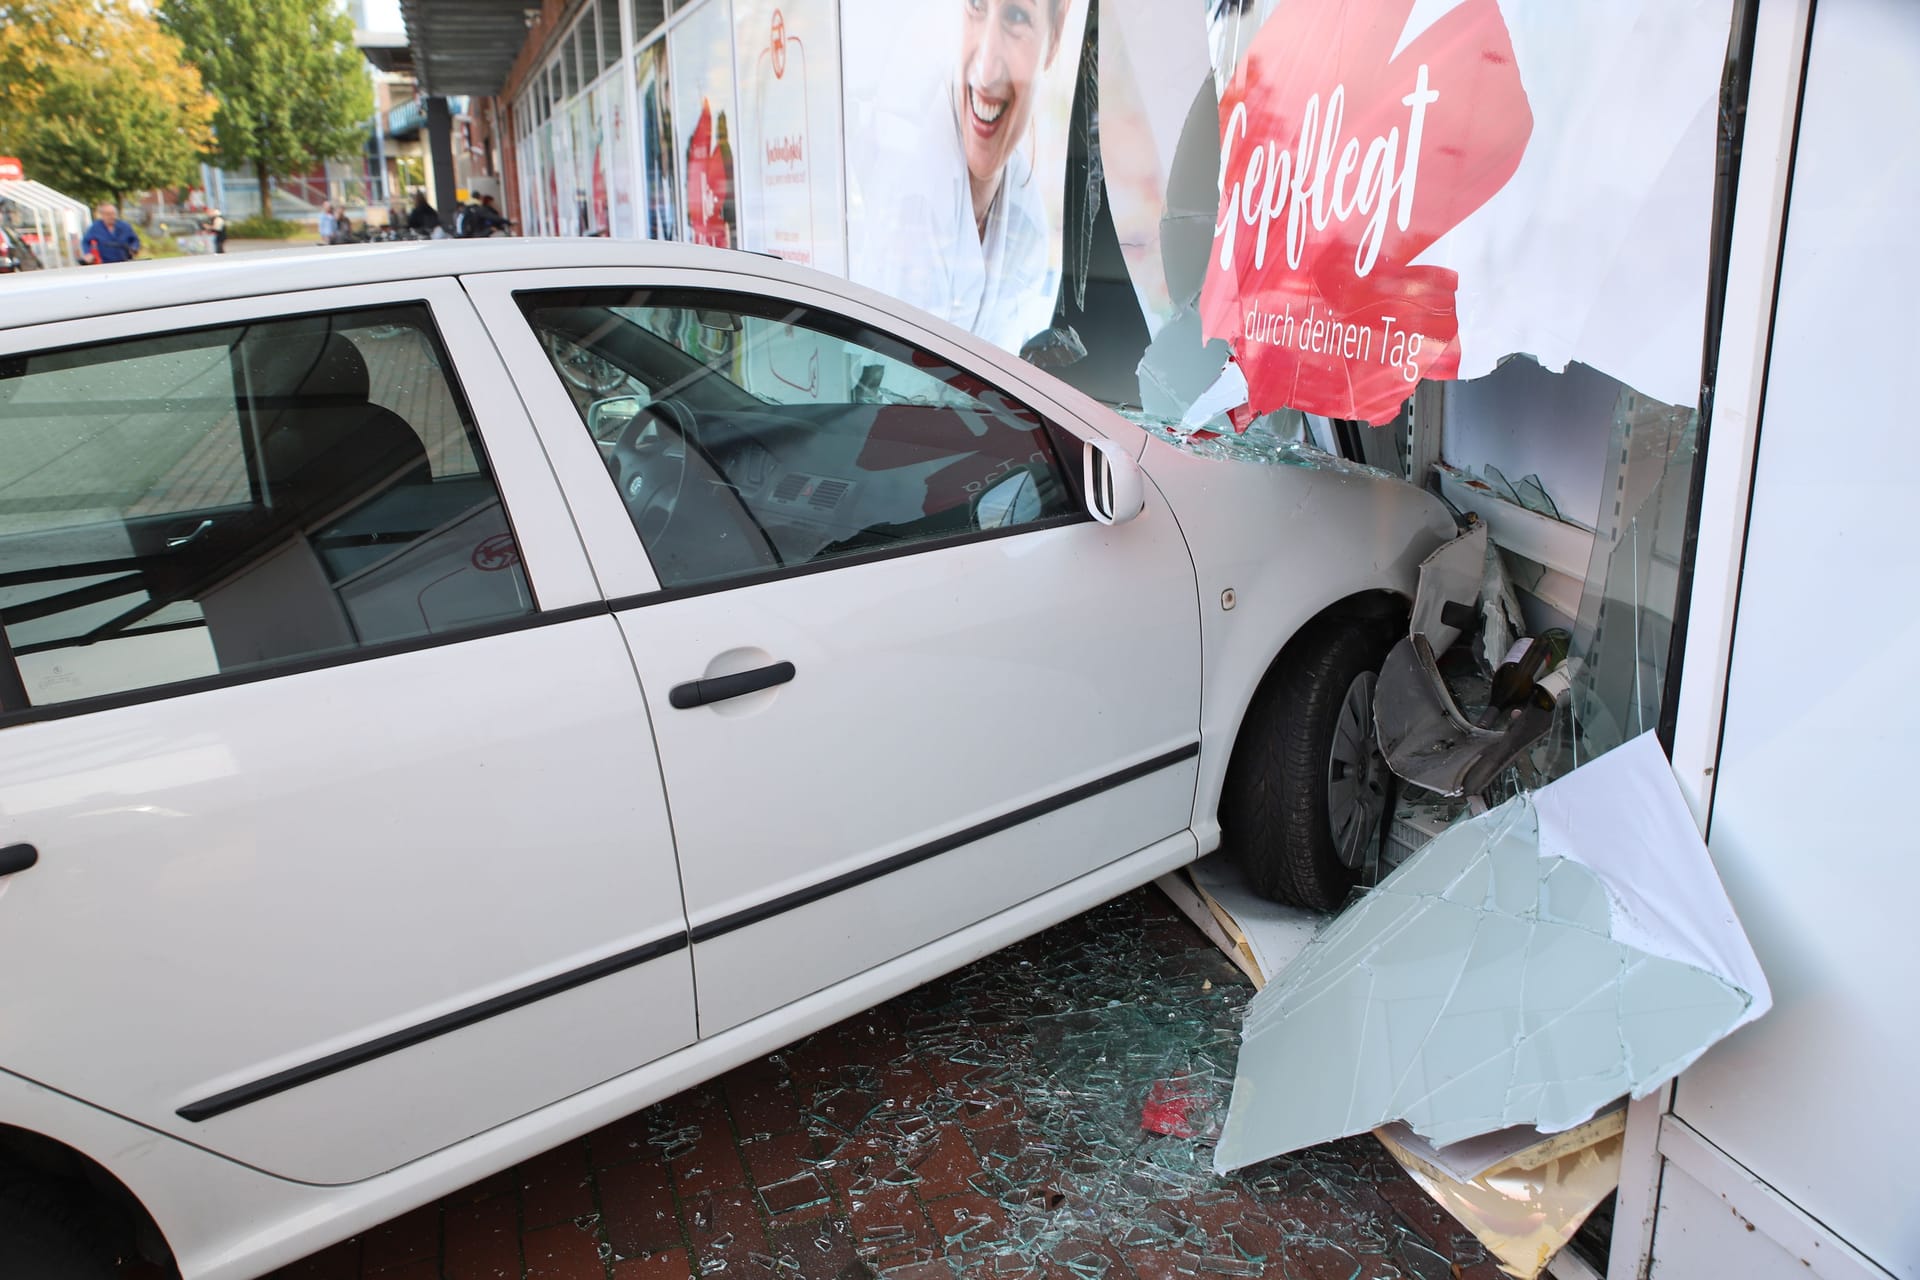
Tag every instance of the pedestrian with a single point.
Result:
(422, 219)
(216, 223)
(109, 239)
(484, 219)
(329, 223)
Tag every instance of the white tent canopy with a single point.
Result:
(52, 222)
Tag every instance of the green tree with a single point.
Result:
(290, 84)
(96, 99)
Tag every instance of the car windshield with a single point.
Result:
(644, 351)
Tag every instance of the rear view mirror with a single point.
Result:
(606, 419)
(720, 321)
(1115, 490)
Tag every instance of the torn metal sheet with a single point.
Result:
(1424, 734)
(1529, 966)
(1452, 575)
(1428, 740)
(1528, 1194)
(1502, 621)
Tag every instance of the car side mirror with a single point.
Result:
(606, 419)
(1115, 489)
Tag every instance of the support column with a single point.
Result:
(440, 157)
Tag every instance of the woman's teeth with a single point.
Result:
(983, 112)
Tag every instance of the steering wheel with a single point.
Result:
(583, 368)
(648, 469)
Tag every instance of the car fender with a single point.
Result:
(1289, 541)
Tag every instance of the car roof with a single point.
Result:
(80, 293)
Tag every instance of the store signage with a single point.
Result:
(1344, 155)
(11, 170)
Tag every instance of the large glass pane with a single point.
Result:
(610, 48)
(661, 220)
(703, 115)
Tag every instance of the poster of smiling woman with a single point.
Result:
(957, 118)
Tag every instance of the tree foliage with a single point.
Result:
(290, 83)
(96, 98)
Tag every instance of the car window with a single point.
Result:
(199, 503)
(748, 435)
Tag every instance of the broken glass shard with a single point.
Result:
(1528, 966)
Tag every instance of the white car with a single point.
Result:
(453, 696)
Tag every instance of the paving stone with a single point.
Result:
(669, 1264)
(638, 1208)
(564, 1252)
(986, 1125)
(482, 1240)
(554, 1187)
(410, 1237)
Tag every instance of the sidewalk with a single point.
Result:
(988, 1124)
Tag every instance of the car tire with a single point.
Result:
(1306, 790)
(45, 1235)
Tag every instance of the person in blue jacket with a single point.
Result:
(109, 239)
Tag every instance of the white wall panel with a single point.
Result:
(1808, 825)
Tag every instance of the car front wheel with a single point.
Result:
(1307, 789)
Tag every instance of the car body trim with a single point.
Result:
(945, 844)
(407, 1037)
(276, 669)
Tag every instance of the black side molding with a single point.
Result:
(307, 1072)
(945, 844)
(17, 857)
(698, 693)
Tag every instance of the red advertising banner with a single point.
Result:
(1342, 158)
(11, 170)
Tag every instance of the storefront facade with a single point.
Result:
(1592, 383)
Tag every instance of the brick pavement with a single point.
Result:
(986, 1124)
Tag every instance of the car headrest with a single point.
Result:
(322, 368)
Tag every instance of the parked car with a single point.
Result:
(16, 254)
(419, 665)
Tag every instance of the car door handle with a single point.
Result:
(174, 544)
(698, 693)
(17, 857)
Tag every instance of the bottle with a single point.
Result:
(1513, 680)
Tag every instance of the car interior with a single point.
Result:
(233, 497)
(890, 446)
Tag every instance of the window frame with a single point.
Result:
(844, 315)
(558, 576)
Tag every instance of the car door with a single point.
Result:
(900, 680)
(347, 836)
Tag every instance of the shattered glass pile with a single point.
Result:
(1259, 443)
(1047, 1112)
